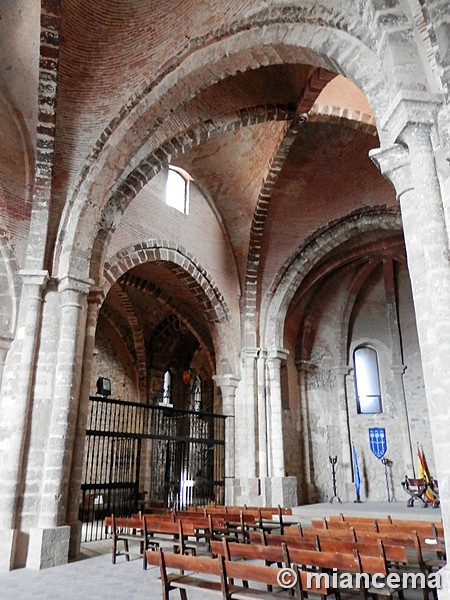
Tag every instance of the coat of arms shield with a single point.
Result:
(377, 438)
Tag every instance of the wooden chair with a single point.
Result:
(127, 530)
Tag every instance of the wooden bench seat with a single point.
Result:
(223, 575)
(126, 530)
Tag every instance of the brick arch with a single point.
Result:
(184, 266)
(327, 43)
(138, 339)
(201, 333)
(317, 82)
(282, 290)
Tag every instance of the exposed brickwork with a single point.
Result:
(374, 89)
(45, 144)
(297, 266)
(182, 263)
(290, 257)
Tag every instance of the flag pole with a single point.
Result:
(356, 476)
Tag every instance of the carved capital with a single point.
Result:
(72, 284)
(34, 277)
(278, 354)
(394, 164)
(409, 107)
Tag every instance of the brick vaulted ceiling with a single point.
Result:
(110, 51)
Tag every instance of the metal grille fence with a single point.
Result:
(141, 455)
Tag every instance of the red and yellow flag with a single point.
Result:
(423, 473)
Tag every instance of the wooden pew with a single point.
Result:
(224, 573)
(127, 530)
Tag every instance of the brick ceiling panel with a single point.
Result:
(19, 60)
(232, 169)
(326, 175)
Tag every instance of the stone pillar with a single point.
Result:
(15, 410)
(262, 414)
(49, 543)
(341, 373)
(411, 168)
(398, 369)
(228, 385)
(283, 489)
(303, 368)
(5, 345)
(245, 424)
(95, 299)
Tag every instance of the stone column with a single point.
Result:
(398, 369)
(283, 489)
(411, 168)
(95, 299)
(5, 345)
(15, 411)
(246, 416)
(262, 414)
(303, 368)
(341, 373)
(49, 543)
(228, 385)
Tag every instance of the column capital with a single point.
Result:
(250, 352)
(96, 295)
(278, 353)
(226, 380)
(73, 284)
(307, 366)
(409, 107)
(398, 369)
(394, 164)
(341, 369)
(34, 277)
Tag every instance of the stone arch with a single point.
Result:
(158, 160)
(279, 295)
(354, 120)
(9, 287)
(325, 42)
(184, 266)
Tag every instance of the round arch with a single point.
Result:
(188, 270)
(327, 45)
(279, 295)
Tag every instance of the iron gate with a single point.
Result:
(140, 455)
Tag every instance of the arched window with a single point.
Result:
(367, 380)
(177, 189)
(167, 388)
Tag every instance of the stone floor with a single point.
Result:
(94, 577)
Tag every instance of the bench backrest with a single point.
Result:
(394, 553)
(327, 560)
(232, 550)
(294, 541)
(124, 523)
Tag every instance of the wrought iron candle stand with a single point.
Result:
(333, 461)
(387, 463)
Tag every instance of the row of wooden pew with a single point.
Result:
(331, 543)
(185, 531)
(237, 562)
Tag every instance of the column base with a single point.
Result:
(281, 491)
(75, 540)
(8, 539)
(269, 491)
(48, 547)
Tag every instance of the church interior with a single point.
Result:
(224, 256)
